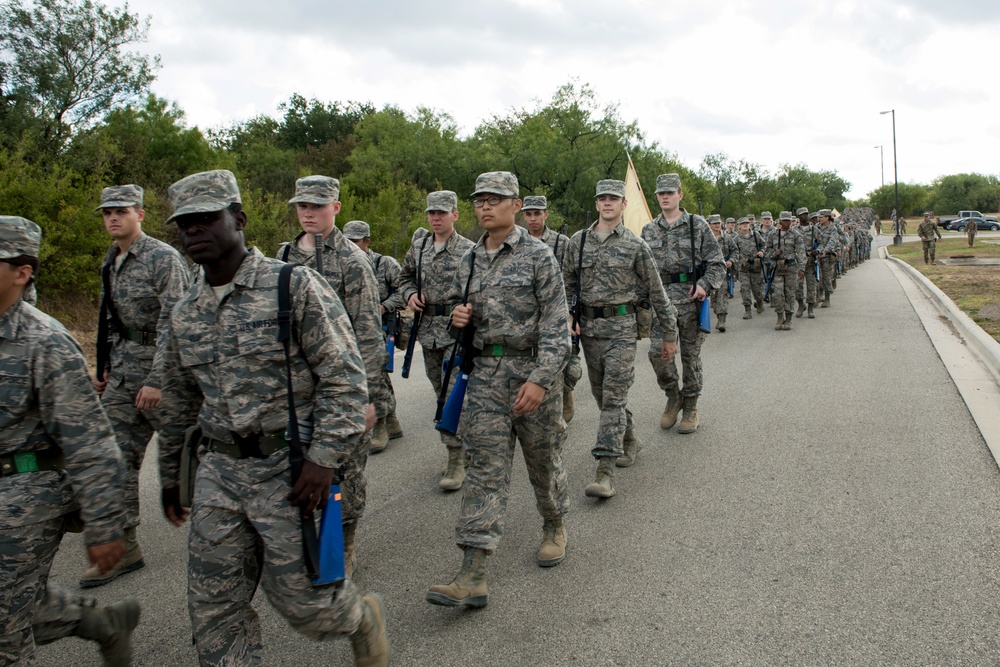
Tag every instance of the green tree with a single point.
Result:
(67, 62)
(913, 199)
(965, 192)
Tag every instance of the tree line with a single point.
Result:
(76, 114)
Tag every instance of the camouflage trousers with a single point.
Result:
(751, 285)
(828, 271)
(573, 371)
(34, 612)
(489, 431)
(611, 370)
(972, 237)
(689, 340)
(806, 291)
(433, 362)
(720, 300)
(243, 531)
(931, 248)
(133, 430)
(355, 486)
(783, 290)
(385, 397)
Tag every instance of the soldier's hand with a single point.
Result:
(461, 316)
(100, 382)
(148, 398)
(729, 264)
(574, 328)
(760, 253)
(106, 556)
(668, 350)
(777, 252)
(802, 274)
(697, 293)
(529, 397)
(171, 501)
(416, 303)
(313, 487)
(370, 418)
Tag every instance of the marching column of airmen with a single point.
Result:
(194, 356)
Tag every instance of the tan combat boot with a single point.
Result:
(787, 324)
(689, 423)
(673, 406)
(568, 408)
(111, 627)
(721, 324)
(802, 308)
(393, 426)
(468, 588)
(760, 306)
(602, 486)
(130, 562)
(826, 301)
(553, 549)
(811, 315)
(380, 437)
(454, 475)
(632, 445)
(781, 320)
(350, 529)
(747, 314)
(369, 642)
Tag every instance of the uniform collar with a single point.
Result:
(10, 322)
(136, 249)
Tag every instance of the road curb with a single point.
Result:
(982, 345)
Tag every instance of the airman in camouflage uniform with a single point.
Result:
(970, 231)
(615, 272)
(387, 270)
(807, 292)
(226, 371)
(688, 279)
(786, 251)
(929, 234)
(827, 246)
(517, 303)
(751, 251)
(58, 464)
(433, 259)
(350, 274)
(731, 255)
(535, 213)
(146, 277)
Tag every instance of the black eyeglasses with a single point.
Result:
(493, 200)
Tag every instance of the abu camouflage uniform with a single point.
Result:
(670, 244)
(387, 271)
(349, 272)
(225, 365)
(557, 243)
(145, 285)
(751, 274)
(791, 260)
(730, 252)
(519, 311)
(437, 267)
(49, 412)
(615, 275)
(828, 242)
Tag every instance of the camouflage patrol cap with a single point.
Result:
(825, 212)
(535, 203)
(751, 217)
(715, 219)
(743, 221)
(766, 215)
(610, 186)
(206, 192)
(120, 195)
(501, 183)
(316, 190)
(442, 200)
(18, 236)
(668, 183)
(728, 220)
(928, 214)
(357, 229)
(814, 215)
(801, 211)
(786, 215)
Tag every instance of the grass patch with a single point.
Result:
(974, 289)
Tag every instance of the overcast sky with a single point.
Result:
(786, 81)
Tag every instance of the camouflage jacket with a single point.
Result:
(928, 231)
(556, 243)
(438, 269)
(749, 246)
(792, 245)
(517, 300)
(144, 290)
(47, 401)
(730, 250)
(827, 238)
(671, 247)
(226, 366)
(387, 271)
(619, 270)
(351, 275)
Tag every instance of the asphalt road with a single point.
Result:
(837, 506)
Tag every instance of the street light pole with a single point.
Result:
(881, 162)
(897, 240)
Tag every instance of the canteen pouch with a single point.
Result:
(403, 322)
(782, 268)
(643, 322)
(189, 464)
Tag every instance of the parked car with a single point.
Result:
(958, 225)
(947, 220)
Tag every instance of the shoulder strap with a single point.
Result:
(555, 251)
(287, 249)
(420, 267)
(694, 265)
